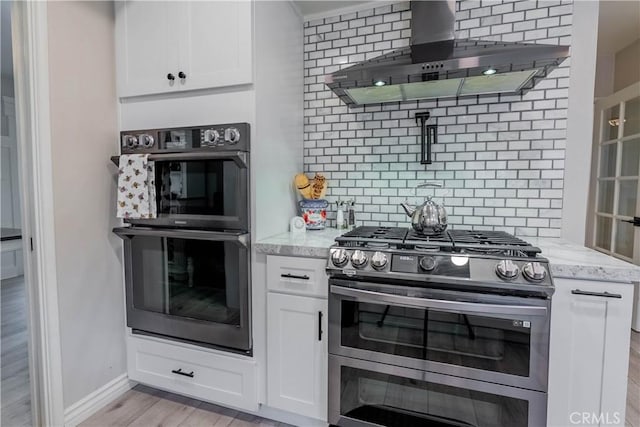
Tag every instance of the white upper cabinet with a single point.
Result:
(174, 46)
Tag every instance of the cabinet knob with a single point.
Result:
(171, 77)
(182, 75)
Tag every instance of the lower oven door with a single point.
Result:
(364, 393)
(187, 284)
(495, 338)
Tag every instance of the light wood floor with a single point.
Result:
(144, 406)
(633, 386)
(15, 393)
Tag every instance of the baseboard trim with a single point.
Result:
(90, 404)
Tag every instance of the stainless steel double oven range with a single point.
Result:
(187, 272)
(449, 330)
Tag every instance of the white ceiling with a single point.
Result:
(5, 39)
(313, 7)
(618, 25)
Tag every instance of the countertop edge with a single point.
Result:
(316, 245)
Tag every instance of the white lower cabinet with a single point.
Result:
(297, 351)
(200, 373)
(589, 353)
(297, 354)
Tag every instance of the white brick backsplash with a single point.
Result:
(500, 158)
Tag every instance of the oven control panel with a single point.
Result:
(417, 265)
(223, 137)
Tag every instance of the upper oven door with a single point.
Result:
(208, 190)
(493, 338)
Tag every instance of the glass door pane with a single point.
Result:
(189, 278)
(632, 117)
(611, 123)
(474, 341)
(630, 158)
(624, 238)
(198, 187)
(608, 155)
(396, 401)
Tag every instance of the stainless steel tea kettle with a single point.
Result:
(429, 218)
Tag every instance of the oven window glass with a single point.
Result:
(196, 279)
(394, 401)
(198, 187)
(474, 341)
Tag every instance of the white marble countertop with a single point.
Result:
(573, 261)
(310, 244)
(567, 259)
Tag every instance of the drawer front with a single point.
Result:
(202, 374)
(300, 276)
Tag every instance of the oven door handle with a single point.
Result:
(239, 157)
(456, 306)
(128, 232)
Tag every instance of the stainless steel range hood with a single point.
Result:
(437, 65)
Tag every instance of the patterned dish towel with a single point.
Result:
(136, 187)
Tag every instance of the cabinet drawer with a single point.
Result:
(301, 276)
(203, 374)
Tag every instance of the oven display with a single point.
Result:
(453, 266)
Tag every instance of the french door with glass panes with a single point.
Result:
(617, 198)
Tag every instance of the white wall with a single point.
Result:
(627, 66)
(84, 135)
(277, 145)
(577, 170)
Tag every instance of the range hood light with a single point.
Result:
(489, 71)
(380, 83)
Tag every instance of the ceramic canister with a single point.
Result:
(314, 213)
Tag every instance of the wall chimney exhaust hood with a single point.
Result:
(437, 65)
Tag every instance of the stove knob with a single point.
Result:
(129, 141)
(146, 140)
(507, 269)
(534, 271)
(378, 260)
(359, 259)
(232, 135)
(339, 257)
(427, 263)
(211, 136)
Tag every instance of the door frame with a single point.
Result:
(600, 106)
(31, 81)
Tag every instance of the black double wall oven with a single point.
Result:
(187, 272)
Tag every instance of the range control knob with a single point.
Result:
(427, 263)
(359, 259)
(211, 136)
(378, 260)
(232, 135)
(146, 140)
(339, 257)
(129, 141)
(534, 271)
(507, 269)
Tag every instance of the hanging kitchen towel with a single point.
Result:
(136, 187)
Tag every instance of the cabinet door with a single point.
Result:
(146, 47)
(216, 44)
(589, 352)
(297, 354)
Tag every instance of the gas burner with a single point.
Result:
(377, 245)
(423, 248)
(490, 261)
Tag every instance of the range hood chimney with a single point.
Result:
(437, 65)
